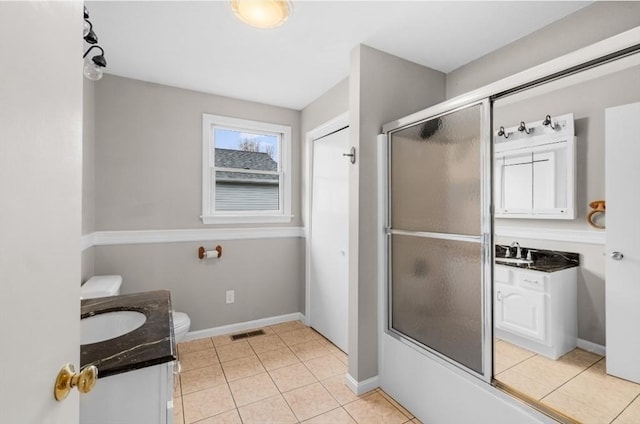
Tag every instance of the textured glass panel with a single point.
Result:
(435, 175)
(436, 295)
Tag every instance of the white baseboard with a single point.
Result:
(592, 347)
(243, 326)
(361, 387)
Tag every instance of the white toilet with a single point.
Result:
(109, 285)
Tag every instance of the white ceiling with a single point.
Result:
(202, 46)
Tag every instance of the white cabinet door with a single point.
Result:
(623, 233)
(520, 311)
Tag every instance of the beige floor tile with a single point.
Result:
(177, 390)
(577, 409)
(326, 366)
(195, 346)
(631, 415)
(310, 401)
(506, 355)
(375, 409)
(224, 340)
(581, 357)
(336, 416)
(310, 350)
(178, 416)
(266, 343)
(240, 368)
(233, 351)
(528, 383)
(230, 417)
(543, 375)
(339, 390)
(285, 327)
(200, 359)
(252, 389)
(202, 378)
(292, 376)
(601, 391)
(342, 357)
(207, 403)
(330, 346)
(275, 359)
(273, 410)
(268, 331)
(299, 336)
(393, 402)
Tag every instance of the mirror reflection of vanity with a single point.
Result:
(577, 386)
(535, 170)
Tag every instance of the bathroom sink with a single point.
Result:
(516, 261)
(109, 325)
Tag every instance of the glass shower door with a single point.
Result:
(439, 236)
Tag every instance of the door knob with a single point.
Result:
(617, 256)
(67, 379)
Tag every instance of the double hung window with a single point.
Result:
(245, 171)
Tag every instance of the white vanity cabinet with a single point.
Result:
(142, 396)
(536, 310)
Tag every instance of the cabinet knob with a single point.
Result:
(617, 256)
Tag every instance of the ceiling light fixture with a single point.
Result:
(263, 14)
(93, 68)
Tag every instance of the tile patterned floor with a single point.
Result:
(575, 384)
(289, 375)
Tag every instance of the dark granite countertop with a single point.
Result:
(543, 260)
(151, 344)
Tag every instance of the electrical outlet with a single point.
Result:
(231, 296)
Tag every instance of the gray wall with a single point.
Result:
(591, 24)
(323, 109)
(326, 107)
(266, 274)
(148, 146)
(148, 169)
(382, 88)
(88, 174)
(88, 157)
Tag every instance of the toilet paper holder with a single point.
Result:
(206, 254)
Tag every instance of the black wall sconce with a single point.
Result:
(94, 67)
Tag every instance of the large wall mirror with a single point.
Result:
(554, 343)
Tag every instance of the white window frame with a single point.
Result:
(209, 214)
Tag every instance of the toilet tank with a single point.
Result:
(101, 286)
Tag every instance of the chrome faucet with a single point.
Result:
(518, 250)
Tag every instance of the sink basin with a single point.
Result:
(109, 325)
(516, 261)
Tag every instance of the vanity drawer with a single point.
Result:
(533, 281)
(502, 274)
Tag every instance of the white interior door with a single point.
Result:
(40, 198)
(623, 233)
(328, 284)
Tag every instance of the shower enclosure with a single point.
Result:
(439, 236)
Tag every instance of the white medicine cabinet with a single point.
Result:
(535, 169)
